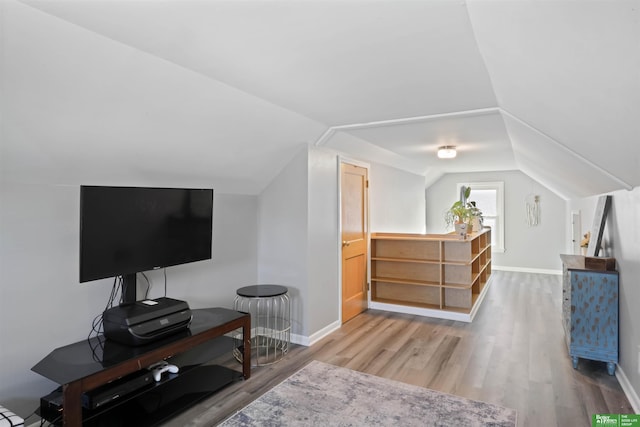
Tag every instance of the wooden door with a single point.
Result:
(354, 185)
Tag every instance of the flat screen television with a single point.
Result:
(126, 230)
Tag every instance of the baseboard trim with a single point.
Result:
(628, 389)
(315, 337)
(527, 270)
(418, 311)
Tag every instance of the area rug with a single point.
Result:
(326, 395)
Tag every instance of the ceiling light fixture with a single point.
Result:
(447, 152)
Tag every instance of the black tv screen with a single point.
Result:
(126, 230)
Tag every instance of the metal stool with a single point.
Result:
(270, 312)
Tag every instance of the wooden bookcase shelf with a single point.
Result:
(436, 275)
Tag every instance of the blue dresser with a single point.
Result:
(590, 312)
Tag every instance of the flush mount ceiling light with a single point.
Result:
(447, 152)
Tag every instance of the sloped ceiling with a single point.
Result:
(567, 77)
(550, 88)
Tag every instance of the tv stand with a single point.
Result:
(89, 364)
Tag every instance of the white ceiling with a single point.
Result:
(551, 88)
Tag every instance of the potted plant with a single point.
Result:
(475, 217)
(464, 215)
(458, 215)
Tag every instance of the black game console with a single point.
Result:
(51, 407)
(114, 390)
(146, 321)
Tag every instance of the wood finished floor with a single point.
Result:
(513, 354)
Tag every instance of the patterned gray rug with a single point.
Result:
(327, 395)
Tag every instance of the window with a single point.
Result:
(489, 197)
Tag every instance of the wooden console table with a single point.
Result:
(88, 364)
(435, 275)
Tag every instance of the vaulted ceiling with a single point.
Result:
(551, 88)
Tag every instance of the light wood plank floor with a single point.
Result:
(513, 354)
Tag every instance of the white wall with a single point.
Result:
(299, 223)
(396, 200)
(323, 250)
(528, 248)
(42, 303)
(621, 240)
(282, 236)
(298, 238)
(77, 109)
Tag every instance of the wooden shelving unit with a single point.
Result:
(436, 275)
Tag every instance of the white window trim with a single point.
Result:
(497, 242)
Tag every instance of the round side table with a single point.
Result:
(270, 311)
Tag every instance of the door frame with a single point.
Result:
(575, 222)
(367, 166)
